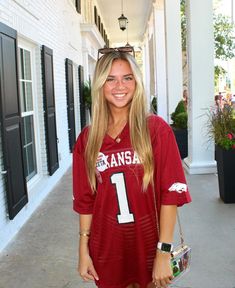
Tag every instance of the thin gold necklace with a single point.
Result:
(117, 137)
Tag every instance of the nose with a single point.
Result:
(119, 84)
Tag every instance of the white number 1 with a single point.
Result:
(125, 216)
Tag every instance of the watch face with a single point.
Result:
(166, 247)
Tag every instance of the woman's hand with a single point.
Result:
(86, 268)
(162, 272)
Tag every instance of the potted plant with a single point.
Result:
(180, 127)
(154, 105)
(222, 130)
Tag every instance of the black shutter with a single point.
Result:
(99, 23)
(81, 97)
(95, 16)
(11, 125)
(78, 5)
(102, 29)
(49, 107)
(70, 102)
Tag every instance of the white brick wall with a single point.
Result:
(55, 24)
(3, 203)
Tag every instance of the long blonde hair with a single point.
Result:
(139, 132)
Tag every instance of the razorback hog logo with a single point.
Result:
(178, 187)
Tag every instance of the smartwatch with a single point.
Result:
(165, 247)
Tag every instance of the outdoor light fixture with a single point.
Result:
(122, 20)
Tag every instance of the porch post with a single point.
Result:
(173, 54)
(160, 52)
(201, 85)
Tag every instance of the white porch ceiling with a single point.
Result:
(137, 12)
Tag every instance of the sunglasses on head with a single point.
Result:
(124, 49)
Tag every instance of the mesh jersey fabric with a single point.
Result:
(123, 237)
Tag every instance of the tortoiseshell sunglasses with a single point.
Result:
(124, 49)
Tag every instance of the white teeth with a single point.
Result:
(119, 95)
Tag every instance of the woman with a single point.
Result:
(126, 166)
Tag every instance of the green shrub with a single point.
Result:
(181, 120)
(180, 116)
(154, 105)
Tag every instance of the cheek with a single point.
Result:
(133, 87)
(106, 90)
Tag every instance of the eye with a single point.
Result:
(128, 78)
(110, 79)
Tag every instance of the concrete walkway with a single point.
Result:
(44, 253)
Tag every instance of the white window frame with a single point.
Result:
(31, 47)
(72, 3)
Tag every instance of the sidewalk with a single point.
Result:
(44, 253)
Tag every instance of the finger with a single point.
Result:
(93, 272)
(87, 277)
(168, 279)
(163, 283)
(157, 283)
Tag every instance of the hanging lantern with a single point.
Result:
(122, 22)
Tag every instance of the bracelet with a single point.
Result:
(85, 234)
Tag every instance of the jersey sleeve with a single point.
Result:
(83, 196)
(170, 174)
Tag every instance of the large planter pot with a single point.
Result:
(225, 166)
(181, 136)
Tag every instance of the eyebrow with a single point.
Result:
(130, 74)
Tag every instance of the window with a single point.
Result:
(27, 112)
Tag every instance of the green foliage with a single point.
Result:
(223, 36)
(179, 108)
(224, 44)
(180, 116)
(181, 120)
(218, 71)
(154, 105)
(221, 127)
(87, 93)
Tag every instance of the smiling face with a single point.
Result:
(120, 85)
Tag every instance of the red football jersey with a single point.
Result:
(123, 231)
